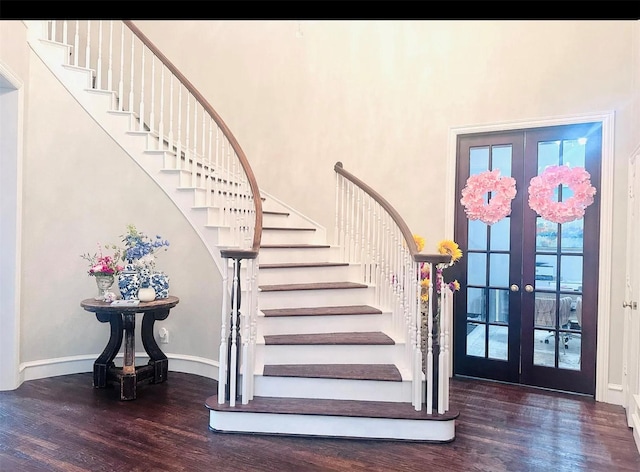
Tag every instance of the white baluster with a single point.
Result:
(152, 107)
(98, 85)
(110, 70)
(87, 51)
(161, 122)
(222, 356)
(179, 138)
(121, 78)
(131, 82)
(76, 44)
(187, 132)
(141, 116)
(170, 134)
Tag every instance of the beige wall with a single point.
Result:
(383, 96)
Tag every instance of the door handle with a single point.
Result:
(528, 288)
(514, 288)
(632, 305)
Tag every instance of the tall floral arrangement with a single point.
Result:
(140, 250)
(445, 246)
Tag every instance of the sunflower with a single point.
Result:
(450, 247)
(419, 242)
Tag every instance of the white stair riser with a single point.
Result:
(280, 255)
(300, 275)
(270, 236)
(322, 324)
(329, 354)
(311, 298)
(333, 426)
(82, 78)
(339, 389)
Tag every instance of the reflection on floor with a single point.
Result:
(544, 346)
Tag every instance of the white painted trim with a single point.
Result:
(78, 364)
(606, 217)
(11, 232)
(615, 394)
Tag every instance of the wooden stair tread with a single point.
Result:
(287, 265)
(317, 406)
(353, 338)
(323, 310)
(294, 246)
(287, 228)
(383, 372)
(311, 286)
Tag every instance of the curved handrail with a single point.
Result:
(404, 229)
(253, 183)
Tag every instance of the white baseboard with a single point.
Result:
(615, 394)
(78, 364)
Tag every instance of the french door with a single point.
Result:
(526, 310)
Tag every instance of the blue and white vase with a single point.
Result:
(129, 283)
(160, 283)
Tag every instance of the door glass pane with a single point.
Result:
(501, 159)
(499, 270)
(546, 272)
(548, 155)
(544, 348)
(477, 235)
(546, 235)
(500, 231)
(545, 310)
(477, 269)
(498, 306)
(476, 339)
(475, 304)
(478, 159)
(573, 152)
(571, 273)
(498, 342)
(572, 235)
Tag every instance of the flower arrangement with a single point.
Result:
(542, 187)
(140, 249)
(499, 206)
(445, 246)
(100, 264)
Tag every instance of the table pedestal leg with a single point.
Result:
(129, 377)
(105, 360)
(157, 358)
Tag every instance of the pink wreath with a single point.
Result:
(499, 206)
(541, 188)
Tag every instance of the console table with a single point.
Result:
(122, 319)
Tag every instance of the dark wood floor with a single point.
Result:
(64, 424)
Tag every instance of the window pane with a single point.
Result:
(477, 235)
(548, 154)
(573, 152)
(498, 342)
(546, 272)
(571, 273)
(572, 235)
(544, 348)
(478, 159)
(499, 270)
(500, 235)
(475, 304)
(546, 235)
(501, 159)
(498, 306)
(545, 310)
(477, 269)
(475, 339)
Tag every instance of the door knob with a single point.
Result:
(632, 305)
(514, 288)
(528, 288)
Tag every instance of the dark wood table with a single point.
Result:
(122, 319)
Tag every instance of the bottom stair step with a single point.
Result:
(331, 418)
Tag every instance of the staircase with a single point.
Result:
(325, 354)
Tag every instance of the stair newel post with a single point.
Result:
(234, 338)
(224, 366)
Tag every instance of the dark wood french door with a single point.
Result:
(527, 308)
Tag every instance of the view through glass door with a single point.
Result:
(526, 311)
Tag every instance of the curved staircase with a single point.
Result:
(327, 358)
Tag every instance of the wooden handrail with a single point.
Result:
(257, 199)
(404, 229)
